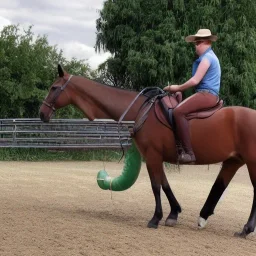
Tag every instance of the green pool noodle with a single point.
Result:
(129, 175)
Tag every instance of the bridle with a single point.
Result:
(57, 92)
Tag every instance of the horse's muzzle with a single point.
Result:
(44, 118)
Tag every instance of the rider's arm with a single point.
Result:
(200, 73)
(193, 81)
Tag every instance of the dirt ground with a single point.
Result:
(57, 208)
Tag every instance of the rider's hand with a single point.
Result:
(171, 88)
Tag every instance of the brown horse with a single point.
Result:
(228, 136)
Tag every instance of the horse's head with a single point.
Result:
(57, 96)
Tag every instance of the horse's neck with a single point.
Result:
(101, 101)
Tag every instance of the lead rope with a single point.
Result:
(104, 168)
(110, 188)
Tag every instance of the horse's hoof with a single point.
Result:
(240, 234)
(170, 222)
(152, 225)
(201, 223)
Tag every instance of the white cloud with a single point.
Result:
(71, 25)
(4, 22)
(24, 15)
(9, 4)
(78, 50)
(74, 4)
(85, 52)
(97, 59)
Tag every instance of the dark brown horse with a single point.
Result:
(228, 136)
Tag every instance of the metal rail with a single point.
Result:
(65, 134)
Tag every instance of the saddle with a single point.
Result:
(164, 109)
(164, 103)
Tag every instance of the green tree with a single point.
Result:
(109, 73)
(138, 34)
(146, 40)
(28, 66)
(234, 22)
(25, 68)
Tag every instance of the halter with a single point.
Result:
(57, 93)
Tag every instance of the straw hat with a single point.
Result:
(202, 34)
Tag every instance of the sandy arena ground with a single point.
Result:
(57, 208)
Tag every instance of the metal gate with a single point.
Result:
(65, 134)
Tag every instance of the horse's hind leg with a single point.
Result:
(251, 223)
(227, 172)
(175, 207)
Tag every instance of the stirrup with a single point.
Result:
(186, 158)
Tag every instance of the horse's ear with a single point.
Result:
(60, 71)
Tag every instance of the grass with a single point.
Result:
(33, 154)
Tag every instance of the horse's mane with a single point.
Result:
(149, 92)
(98, 81)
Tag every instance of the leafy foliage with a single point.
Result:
(138, 35)
(146, 39)
(28, 66)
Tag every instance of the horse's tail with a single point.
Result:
(129, 174)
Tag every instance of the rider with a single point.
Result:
(206, 73)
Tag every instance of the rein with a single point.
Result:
(131, 104)
(152, 94)
(159, 92)
(58, 91)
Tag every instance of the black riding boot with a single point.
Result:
(185, 156)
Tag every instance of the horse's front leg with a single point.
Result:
(155, 170)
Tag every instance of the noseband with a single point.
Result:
(57, 93)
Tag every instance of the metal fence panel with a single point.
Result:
(64, 134)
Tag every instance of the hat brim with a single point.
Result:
(193, 38)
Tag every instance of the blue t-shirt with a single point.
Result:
(211, 80)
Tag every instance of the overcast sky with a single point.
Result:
(70, 24)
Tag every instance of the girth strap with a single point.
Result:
(143, 114)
